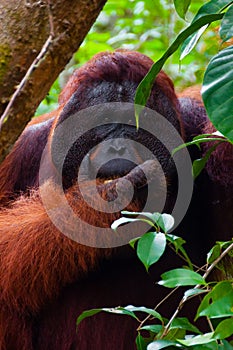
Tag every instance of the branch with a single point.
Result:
(184, 299)
(33, 66)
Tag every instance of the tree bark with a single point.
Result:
(37, 39)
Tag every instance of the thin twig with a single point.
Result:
(33, 66)
(156, 307)
(170, 293)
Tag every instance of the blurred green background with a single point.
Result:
(148, 26)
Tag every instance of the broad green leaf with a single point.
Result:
(182, 7)
(199, 164)
(226, 29)
(213, 254)
(152, 312)
(86, 314)
(220, 247)
(224, 329)
(152, 217)
(208, 346)
(162, 344)
(194, 291)
(144, 88)
(217, 91)
(178, 243)
(133, 241)
(140, 342)
(198, 339)
(154, 328)
(218, 302)
(128, 310)
(120, 311)
(124, 220)
(191, 42)
(175, 333)
(212, 7)
(226, 345)
(151, 247)
(181, 277)
(166, 222)
(183, 323)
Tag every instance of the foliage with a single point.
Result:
(218, 78)
(217, 303)
(147, 26)
(199, 164)
(178, 332)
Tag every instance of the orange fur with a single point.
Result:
(40, 268)
(37, 260)
(191, 91)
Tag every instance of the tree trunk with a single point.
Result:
(37, 39)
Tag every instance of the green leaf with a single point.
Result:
(199, 164)
(213, 254)
(140, 342)
(178, 243)
(144, 88)
(191, 42)
(224, 329)
(198, 339)
(194, 291)
(133, 241)
(217, 91)
(183, 323)
(152, 217)
(144, 309)
(181, 7)
(218, 302)
(161, 344)
(153, 328)
(181, 277)
(212, 7)
(226, 345)
(226, 29)
(86, 314)
(208, 346)
(175, 333)
(151, 247)
(121, 311)
(128, 310)
(165, 222)
(123, 221)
